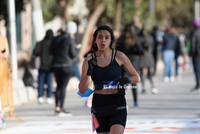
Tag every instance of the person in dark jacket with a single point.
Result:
(64, 51)
(195, 52)
(155, 50)
(127, 43)
(178, 52)
(45, 70)
(146, 60)
(136, 23)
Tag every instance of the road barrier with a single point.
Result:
(6, 88)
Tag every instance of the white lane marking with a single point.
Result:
(140, 126)
(164, 125)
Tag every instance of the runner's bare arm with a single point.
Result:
(85, 79)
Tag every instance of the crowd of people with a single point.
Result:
(136, 50)
(58, 59)
(143, 46)
(109, 70)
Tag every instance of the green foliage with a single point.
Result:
(49, 9)
(129, 9)
(110, 7)
(176, 12)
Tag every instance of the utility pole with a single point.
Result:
(152, 6)
(38, 20)
(12, 25)
(196, 9)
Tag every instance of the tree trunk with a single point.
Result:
(90, 26)
(63, 6)
(38, 20)
(117, 19)
(138, 4)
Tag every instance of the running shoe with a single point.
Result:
(136, 105)
(65, 113)
(89, 103)
(49, 101)
(40, 100)
(166, 79)
(154, 90)
(143, 91)
(172, 79)
(195, 89)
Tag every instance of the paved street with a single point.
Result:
(174, 110)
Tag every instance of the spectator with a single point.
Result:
(195, 52)
(4, 55)
(178, 53)
(72, 31)
(136, 24)
(155, 50)
(4, 48)
(59, 32)
(128, 44)
(159, 36)
(64, 51)
(188, 47)
(76, 62)
(146, 60)
(170, 41)
(45, 70)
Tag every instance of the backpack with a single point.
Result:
(137, 50)
(35, 61)
(28, 78)
(145, 47)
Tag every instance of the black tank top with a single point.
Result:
(107, 77)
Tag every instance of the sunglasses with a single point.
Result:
(3, 51)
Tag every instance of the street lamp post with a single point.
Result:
(196, 9)
(152, 6)
(11, 12)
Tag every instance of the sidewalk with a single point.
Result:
(23, 94)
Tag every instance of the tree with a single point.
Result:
(117, 13)
(90, 26)
(175, 12)
(117, 18)
(19, 4)
(49, 9)
(63, 6)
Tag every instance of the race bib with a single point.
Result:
(95, 123)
